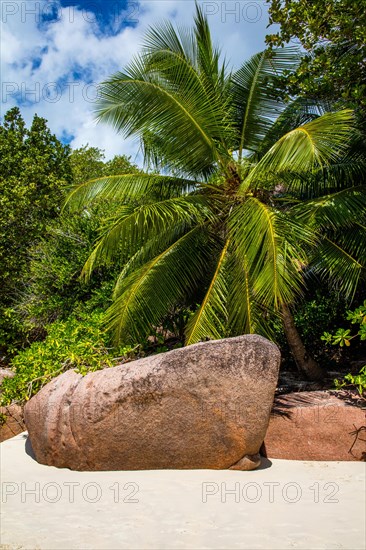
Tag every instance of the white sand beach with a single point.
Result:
(282, 505)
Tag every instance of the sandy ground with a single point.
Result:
(285, 504)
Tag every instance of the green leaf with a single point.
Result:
(314, 144)
(209, 320)
(148, 293)
(255, 102)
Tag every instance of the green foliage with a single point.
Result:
(240, 206)
(351, 380)
(358, 316)
(78, 342)
(317, 312)
(342, 337)
(51, 287)
(321, 309)
(333, 34)
(34, 173)
(86, 163)
(89, 162)
(54, 288)
(12, 334)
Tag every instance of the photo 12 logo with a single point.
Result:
(119, 12)
(51, 92)
(271, 491)
(237, 12)
(69, 491)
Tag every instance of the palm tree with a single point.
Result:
(218, 221)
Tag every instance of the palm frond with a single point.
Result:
(212, 72)
(314, 144)
(245, 313)
(164, 36)
(255, 101)
(138, 224)
(334, 211)
(273, 248)
(149, 292)
(192, 84)
(176, 112)
(333, 263)
(294, 114)
(353, 240)
(149, 250)
(342, 174)
(127, 187)
(347, 172)
(210, 319)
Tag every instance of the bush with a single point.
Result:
(78, 342)
(54, 289)
(351, 381)
(342, 338)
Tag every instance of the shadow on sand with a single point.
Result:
(28, 448)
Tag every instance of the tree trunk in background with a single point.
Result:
(304, 361)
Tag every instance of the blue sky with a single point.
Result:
(55, 52)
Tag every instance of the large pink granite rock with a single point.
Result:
(203, 406)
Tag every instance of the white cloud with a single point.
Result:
(74, 52)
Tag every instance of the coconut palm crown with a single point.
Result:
(246, 192)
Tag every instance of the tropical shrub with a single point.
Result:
(343, 337)
(54, 289)
(79, 343)
(34, 173)
(321, 309)
(89, 163)
(353, 380)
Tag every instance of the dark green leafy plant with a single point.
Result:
(34, 174)
(353, 380)
(333, 35)
(321, 308)
(51, 288)
(343, 337)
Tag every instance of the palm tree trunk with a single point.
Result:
(305, 363)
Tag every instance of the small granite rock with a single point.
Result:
(316, 426)
(12, 421)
